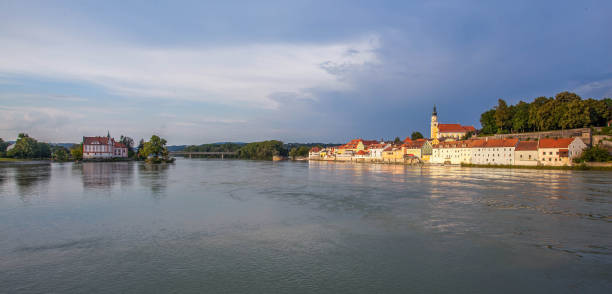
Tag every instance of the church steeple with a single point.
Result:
(435, 112)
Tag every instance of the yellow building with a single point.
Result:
(393, 154)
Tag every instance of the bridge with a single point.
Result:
(190, 153)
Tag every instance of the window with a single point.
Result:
(550, 152)
(529, 156)
(521, 155)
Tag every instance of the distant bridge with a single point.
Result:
(189, 153)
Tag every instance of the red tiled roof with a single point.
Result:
(315, 149)
(119, 145)
(527, 146)
(407, 140)
(555, 143)
(369, 142)
(501, 143)
(99, 140)
(362, 152)
(455, 128)
(414, 145)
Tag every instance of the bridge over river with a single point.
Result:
(190, 154)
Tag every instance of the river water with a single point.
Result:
(213, 226)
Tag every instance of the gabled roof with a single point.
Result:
(362, 152)
(119, 145)
(315, 149)
(96, 140)
(492, 143)
(407, 140)
(555, 143)
(527, 146)
(414, 145)
(455, 128)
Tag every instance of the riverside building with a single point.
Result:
(103, 147)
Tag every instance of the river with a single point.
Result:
(233, 226)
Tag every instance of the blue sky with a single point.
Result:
(299, 71)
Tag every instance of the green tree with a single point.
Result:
(467, 135)
(3, 146)
(139, 150)
(59, 153)
(25, 147)
(262, 150)
(503, 116)
(155, 147)
(594, 154)
(535, 114)
(76, 151)
(301, 151)
(487, 121)
(397, 141)
(520, 119)
(416, 136)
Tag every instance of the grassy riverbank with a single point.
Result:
(542, 167)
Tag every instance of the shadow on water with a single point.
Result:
(105, 175)
(154, 176)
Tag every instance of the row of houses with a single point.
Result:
(548, 151)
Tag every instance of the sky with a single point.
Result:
(199, 72)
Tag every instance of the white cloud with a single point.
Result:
(246, 74)
(601, 88)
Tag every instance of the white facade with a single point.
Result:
(103, 147)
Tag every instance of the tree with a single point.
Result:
(502, 116)
(397, 141)
(468, 135)
(534, 112)
(76, 151)
(140, 151)
(59, 153)
(262, 150)
(487, 121)
(301, 151)
(520, 119)
(23, 147)
(594, 154)
(3, 146)
(416, 135)
(156, 146)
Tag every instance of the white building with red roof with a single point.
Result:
(442, 131)
(103, 147)
(559, 151)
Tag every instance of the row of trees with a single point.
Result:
(565, 111)
(262, 150)
(225, 147)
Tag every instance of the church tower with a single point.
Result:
(434, 124)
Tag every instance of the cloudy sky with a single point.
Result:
(313, 71)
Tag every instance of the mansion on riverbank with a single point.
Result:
(103, 147)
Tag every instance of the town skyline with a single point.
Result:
(298, 72)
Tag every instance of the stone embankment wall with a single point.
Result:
(583, 133)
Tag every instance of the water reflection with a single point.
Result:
(155, 176)
(105, 175)
(31, 179)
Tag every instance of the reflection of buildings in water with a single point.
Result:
(154, 176)
(104, 175)
(31, 178)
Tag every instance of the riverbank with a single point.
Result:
(545, 167)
